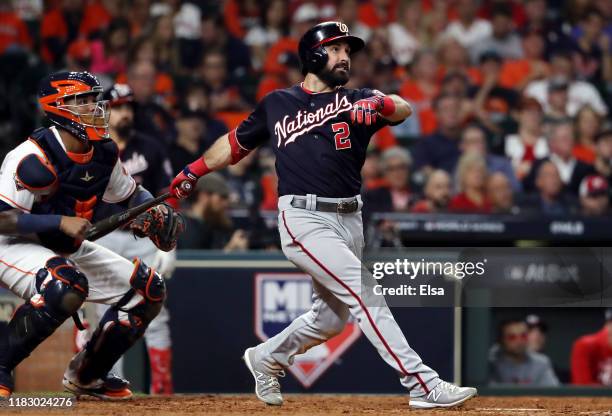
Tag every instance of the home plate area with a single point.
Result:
(328, 405)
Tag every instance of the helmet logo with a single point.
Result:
(343, 28)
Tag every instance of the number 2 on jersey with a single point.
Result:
(342, 135)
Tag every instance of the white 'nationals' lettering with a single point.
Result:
(304, 121)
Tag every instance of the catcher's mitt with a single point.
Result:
(161, 224)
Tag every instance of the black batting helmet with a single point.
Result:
(313, 55)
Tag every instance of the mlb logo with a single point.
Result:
(282, 297)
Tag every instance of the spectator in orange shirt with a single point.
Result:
(14, 34)
(437, 193)
(78, 58)
(587, 124)
(97, 16)
(591, 359)
(520, 72)
(289, 75)
(377, 13)
(241, 15)
(59, 27)
(421, 88)
(471, 178)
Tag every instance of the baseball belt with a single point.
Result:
(342, 207)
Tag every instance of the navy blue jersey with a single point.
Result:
(318, 150)
(147, 162)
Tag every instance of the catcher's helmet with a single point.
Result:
(313, 55)
(119, 94)
(58, 94)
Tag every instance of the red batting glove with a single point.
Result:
(184, 183)
(366, 110)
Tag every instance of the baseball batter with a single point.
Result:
(51, 187)
(320, 133)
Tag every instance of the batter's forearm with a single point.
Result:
(219, 155)
(403, 110)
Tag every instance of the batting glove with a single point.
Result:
(184, 183)
(366, 110)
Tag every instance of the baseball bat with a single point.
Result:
(107, 225)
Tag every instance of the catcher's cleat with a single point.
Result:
(110, 387)
(6, 384)
(443, 395)
(267, 387)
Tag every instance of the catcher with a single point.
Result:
(50, 188)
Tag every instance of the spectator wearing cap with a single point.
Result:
(469, 30)
(500, 194)
(528, 144)
(517, 73)
(503, 39)
(396, 195)
(594, 196)
(454, 58)
(603, 154)
(474, 140)
(511, 361)
(440, 150)
(492, 102)
(471, 179)
(579, 92)
(591, 357)
(550, 197)
(274, 26)
(207, 223)
(437, 193)
(143, 157)
(561, 144)
(586, 124)
(196, 99)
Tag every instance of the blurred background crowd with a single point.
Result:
(511, 97)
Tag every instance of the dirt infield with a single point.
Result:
(329, 405)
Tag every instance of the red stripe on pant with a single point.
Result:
(344, 285)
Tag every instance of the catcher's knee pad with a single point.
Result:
(147, 282)
(62, 289)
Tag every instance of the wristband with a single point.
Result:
(388, 107)
(199, 168)
(33, 223)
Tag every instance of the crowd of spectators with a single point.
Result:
(511, 98)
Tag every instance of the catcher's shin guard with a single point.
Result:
(119, 329)
(62, 289)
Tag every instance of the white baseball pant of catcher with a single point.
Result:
(328, 246)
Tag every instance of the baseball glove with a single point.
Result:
(161, 224)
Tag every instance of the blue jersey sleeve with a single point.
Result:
(253, 131)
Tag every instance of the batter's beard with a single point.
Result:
(333, 78)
